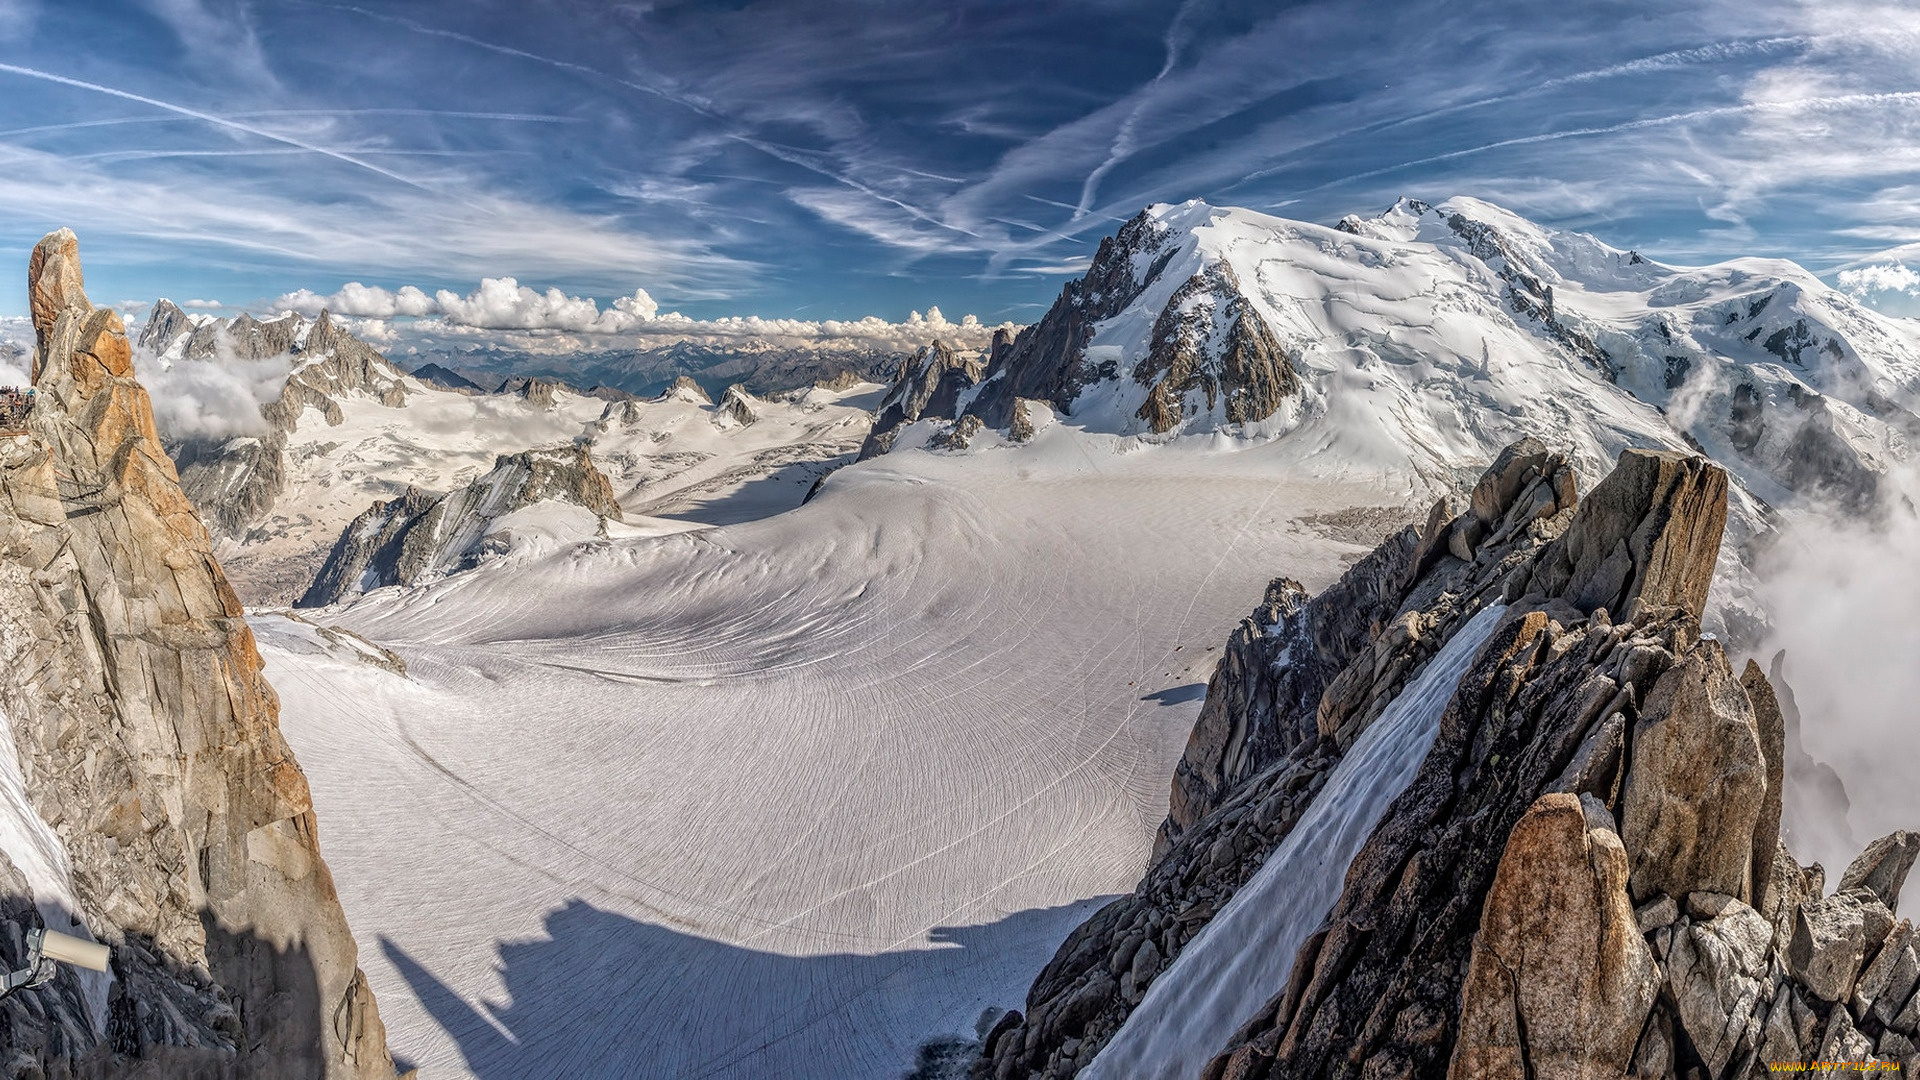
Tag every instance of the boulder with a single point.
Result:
(1695, 784)
(1560, 981)
(1882, 868)
(1717, 977)
(1832, 938)
(1650, 532)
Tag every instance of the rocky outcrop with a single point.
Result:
(1646, 722)
(929, 384)
(1020, 421)
(1540, 998)
(149, 749)
(1048, 360)
(421, 536)
(1651, 536)
(1210, 340)
(735, 409)
(537, 391)
(1585, 875)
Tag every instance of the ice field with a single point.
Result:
(789, 797)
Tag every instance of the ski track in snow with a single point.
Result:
(790, 797)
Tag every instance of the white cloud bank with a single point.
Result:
(214, 399)
(1884, 278)
(1843, 596)
(16, 351)
(505, 305)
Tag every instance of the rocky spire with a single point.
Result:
(929, 384)
(53, 286)
(149, 746)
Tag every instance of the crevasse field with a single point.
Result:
(788, 797)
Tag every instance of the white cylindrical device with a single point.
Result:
(75, 951)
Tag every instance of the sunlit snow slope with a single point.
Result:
(791, 797)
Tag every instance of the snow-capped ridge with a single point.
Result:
(1424, 338)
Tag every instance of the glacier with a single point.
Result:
(788, 797)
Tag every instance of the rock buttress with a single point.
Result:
(149, 742)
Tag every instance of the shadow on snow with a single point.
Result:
(603, 995)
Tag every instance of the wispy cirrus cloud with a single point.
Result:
(792, 154)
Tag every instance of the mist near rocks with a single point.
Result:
(1843, 593)
(217, 398)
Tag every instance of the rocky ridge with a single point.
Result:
(235, 482)
(150, 754)
(1600, 760)
(929, 383)
(421, 536)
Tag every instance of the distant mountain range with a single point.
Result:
(322, 501)
(760, 366)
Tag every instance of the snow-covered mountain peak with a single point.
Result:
(1423, 339)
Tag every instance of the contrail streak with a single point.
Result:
(1903, 97)
(210, 118)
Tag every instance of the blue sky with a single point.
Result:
(819, 160)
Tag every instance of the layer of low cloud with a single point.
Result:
(16, 356)
(1883, 278)
(217, 398)
(503, 306)
(1842, 595)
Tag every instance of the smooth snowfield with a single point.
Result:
(1244, 957)
(790, 797)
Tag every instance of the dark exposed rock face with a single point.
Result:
(735, 408)
(446, 378)
(148, 742)
(1210, 339)
(164, 323)
(1822, 464)
(537, 391)
(1047, 361)
(1527, 294)
(407, 540)
(929, 384)
(1822, 802)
